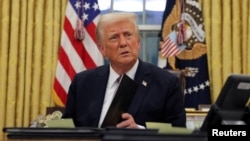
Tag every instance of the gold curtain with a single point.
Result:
(227, 36)
(30, 36)
(30, 33)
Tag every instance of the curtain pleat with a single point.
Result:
(4, 56)
(37, 57)
(226, 47)
(21, 64)
(248, 38)
(47, 51)
(245, 35)
(13, 78)
(206, 10)
(28, 61)
(236, 37)
(216, 45)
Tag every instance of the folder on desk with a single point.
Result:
(60, 123)
(167, 128)
(121, 102)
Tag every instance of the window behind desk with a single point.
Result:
(150, 17)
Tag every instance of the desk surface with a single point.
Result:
(52, 139)
(32, 134)
(109, 134)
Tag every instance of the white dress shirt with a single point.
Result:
(111, 88)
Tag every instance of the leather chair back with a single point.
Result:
(181, 75)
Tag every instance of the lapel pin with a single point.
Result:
(144, 83)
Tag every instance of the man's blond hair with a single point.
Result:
(111, 18)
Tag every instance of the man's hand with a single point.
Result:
(128, 121)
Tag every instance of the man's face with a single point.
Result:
(121, 43)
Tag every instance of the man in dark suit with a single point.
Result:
(158, 97)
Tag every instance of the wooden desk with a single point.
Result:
(116, 135)
(52, 140)
(55, 134)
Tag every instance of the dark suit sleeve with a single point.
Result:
(70, 104)
(175, 110)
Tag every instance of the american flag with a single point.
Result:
(169, 47)
(78, 50)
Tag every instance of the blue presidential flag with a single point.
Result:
(184, 18)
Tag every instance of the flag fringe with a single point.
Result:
(197, 51)
(57, 100)
(174, 17)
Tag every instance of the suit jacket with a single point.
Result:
(160, 100)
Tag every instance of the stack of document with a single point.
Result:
(166, 128)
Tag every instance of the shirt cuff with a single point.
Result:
(141, 127)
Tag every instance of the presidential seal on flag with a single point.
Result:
(183, 45)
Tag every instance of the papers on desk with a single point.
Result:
(64, 123)
(166, 128)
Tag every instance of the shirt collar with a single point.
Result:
(112, 76)
(131, 73)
